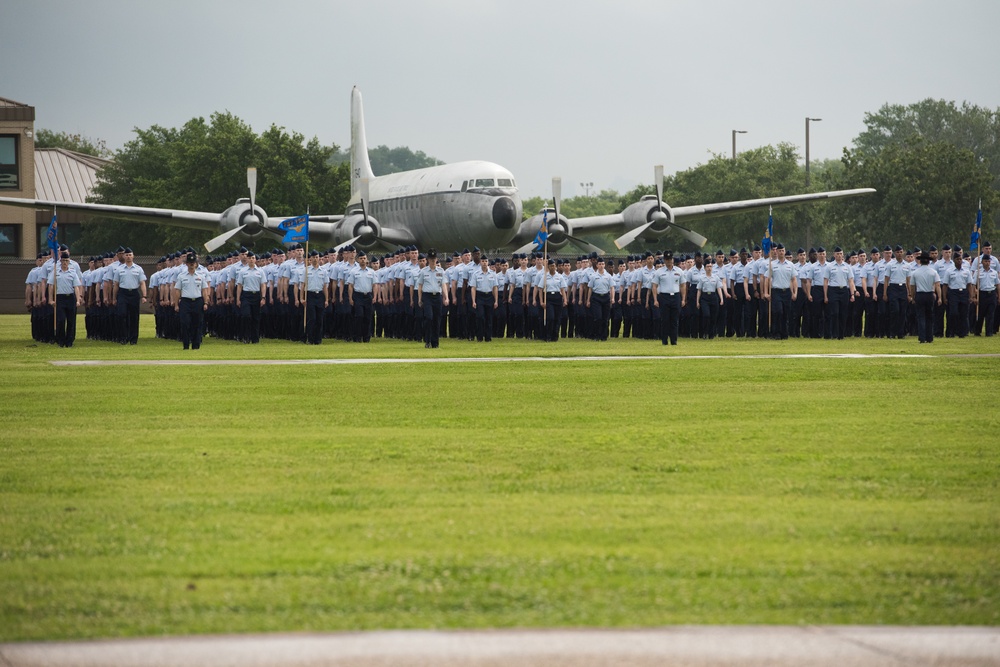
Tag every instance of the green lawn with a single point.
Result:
(172, 500)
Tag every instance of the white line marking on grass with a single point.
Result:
(458, 360)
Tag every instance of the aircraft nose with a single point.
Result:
(504, 213)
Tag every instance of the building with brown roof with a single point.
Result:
(17, 178)
(53, 174)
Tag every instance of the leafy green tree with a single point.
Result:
(605, 202)
(387, 160)
(927, 192)
(913, 131)
(637, 193)
(202, 166)
(967, 126)
(74, 142)
(533, 205)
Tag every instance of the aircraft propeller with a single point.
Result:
(658, 217)
(558, 228)
(363, 230)
(221, 239)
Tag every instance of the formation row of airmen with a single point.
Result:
(344, 294)
(112, 288)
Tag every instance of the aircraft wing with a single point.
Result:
(729, 207)
(645, 218)
(190, 219)
(599, 224)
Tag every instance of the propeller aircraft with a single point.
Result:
(473, 203)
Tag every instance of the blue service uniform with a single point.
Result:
(923, 279)
(251, 282)
(363, 282)
(430, 286)
(191, 306)
(881, 300)
(783, 276)
(708, 287)
(669, 283)
(554, 284)
(516, 280)
(897, 273)
(465, 324)
(646, 303)
(818, 326)
(986, 286)
(956, 282)
(869, 273)
(601, 285)
(67, 282)
(839, 277)
(131, 281)
(484, 285)
(315, 280)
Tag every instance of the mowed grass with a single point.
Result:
(173, 500)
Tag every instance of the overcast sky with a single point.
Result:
(592, 91)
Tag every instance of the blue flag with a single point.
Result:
(974, 243)
(51, 236)
(543, 233)
(765, 243)
(296, 229)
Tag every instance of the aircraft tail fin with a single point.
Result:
(361, 167)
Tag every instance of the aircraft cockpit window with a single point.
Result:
(484, 182)
(505, 182)
(465, 185)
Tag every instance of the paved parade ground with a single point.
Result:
(687, 646)
(454, 360)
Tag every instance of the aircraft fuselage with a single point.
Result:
(465, 203)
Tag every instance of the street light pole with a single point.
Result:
(735, 132)
(807, 147)
(808, 218)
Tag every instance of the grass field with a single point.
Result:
(173, 500)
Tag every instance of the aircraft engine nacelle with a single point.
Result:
(242, 214)
(645, 211)
(558, 230)
(368, 231)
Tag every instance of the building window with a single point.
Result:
(9, 241)
(67, 232)
(8, 163)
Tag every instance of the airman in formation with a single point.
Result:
(347, 295)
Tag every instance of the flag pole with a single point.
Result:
(54, 247)
(979, 267)
(305, 284)
(770, 269)
(770, 294)
(545, 280)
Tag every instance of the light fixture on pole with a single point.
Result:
(587, 187)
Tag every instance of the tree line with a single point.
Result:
(931, 163)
